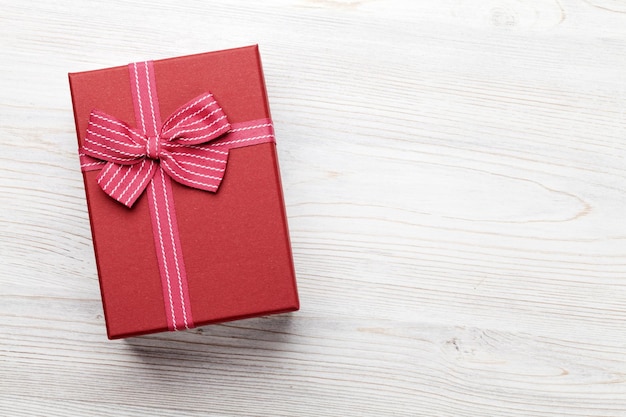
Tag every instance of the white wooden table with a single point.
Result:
(455, 180)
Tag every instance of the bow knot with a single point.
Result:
(185, 147)
(153, 146)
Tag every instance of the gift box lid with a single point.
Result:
(235, 242)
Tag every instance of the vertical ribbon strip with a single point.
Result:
(190, 147)
(162, 212)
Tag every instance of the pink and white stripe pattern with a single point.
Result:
(181, 146)
(190, 147)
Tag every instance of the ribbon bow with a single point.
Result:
(186, 148)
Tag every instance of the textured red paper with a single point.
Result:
(235, 242)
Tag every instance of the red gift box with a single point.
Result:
(234, 242)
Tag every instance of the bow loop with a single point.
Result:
(125, 183)
(112, 140)
(199, 121)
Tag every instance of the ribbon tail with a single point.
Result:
(200, 168)
(125, 183)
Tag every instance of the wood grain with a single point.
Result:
(455, 180)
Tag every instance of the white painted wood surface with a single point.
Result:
(455, 180)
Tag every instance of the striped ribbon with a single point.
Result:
(191, 147)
